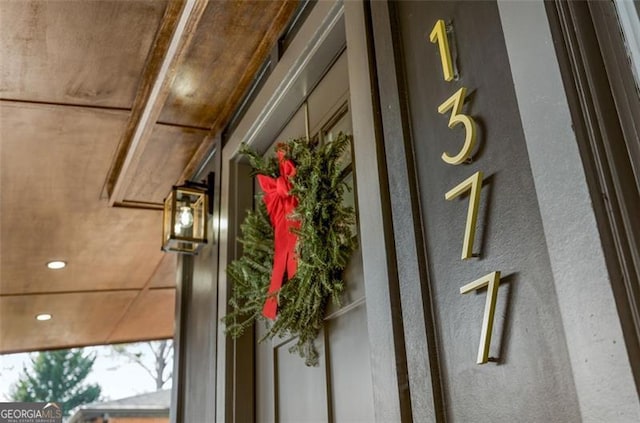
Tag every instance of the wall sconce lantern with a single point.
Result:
(185, 216)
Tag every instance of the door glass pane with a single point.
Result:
(328, 95)
(295, 128)
(341, 122)
(629, 16)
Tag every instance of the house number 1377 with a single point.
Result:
(473, 184)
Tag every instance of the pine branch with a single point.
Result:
(325, 244)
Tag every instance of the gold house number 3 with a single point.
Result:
(473, 184)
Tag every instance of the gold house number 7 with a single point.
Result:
(491, 281)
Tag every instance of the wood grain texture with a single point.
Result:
(52, 166)
(164, 157)
(230, 76)
(78, 319)
(82, 87)
(230, 44)
(73, 52)
(168, 52)
(151, 314)
(165, 274)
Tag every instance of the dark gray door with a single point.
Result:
(340, 388)
(487, 196)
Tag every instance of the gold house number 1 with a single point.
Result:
(439, 35)
(473, 184)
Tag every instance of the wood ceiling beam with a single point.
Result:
(268, 40)
(169, 50)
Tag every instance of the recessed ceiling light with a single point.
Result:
(57, 264)
(44, 316)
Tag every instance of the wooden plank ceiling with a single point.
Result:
(104, 104)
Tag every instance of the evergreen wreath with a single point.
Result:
(325, 244)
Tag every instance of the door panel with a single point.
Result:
(351, 393)
(339, 389)
(301, 390)
(528, 377)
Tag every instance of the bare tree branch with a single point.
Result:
(162, 353)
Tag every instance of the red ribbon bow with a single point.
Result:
(280, 204)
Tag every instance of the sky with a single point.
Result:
(117, 377)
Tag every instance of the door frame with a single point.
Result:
(605, 109)
(319, 41)
(578, 272)
(419, 328)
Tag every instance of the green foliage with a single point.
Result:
(57, 376)
(325, 244)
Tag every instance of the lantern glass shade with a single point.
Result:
(185, 220)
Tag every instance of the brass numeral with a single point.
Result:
(455, 102)
(439, 35)
(491, 281)
(474, 184)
